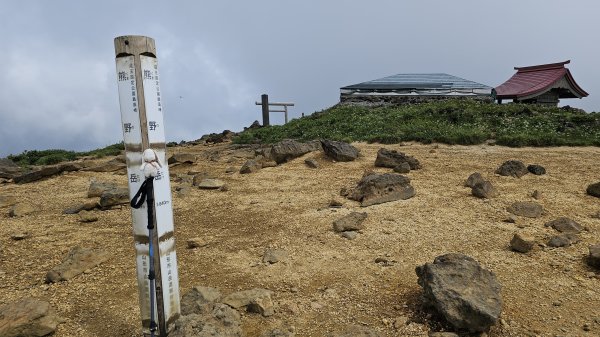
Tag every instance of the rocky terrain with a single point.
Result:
(277, 245)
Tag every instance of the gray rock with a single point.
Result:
(565, 225)
(350, 235)
(356, 331)
(109, 166)
(76, 262)
(594, 190)
(563, 240)
(526, 209)
(21, 209)
(594, 256)
(211, 184)
(198, 177)
(36, 175)
(402, 168)
(195, 300)
(274, 255)
(473, 179)
(220, 321)
(88, 206)
(522, 243)
(512, 168)
(244, 298)
(289, 149)
(262, 306)
(182, 158)
(467, 295)
(339, 151)
(250, 166)
(28, 318)
(393, 158)
(118, 196)
(312, 163)
(351, 222)
(538, 170)
(379, 188)
(484, 190)
(98, 187)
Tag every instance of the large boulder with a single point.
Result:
(289, 149)
(467, 295)
(76, 262)
(28, 318)
(339, 151)
(379, 188)
(512, 168)
(393, 158)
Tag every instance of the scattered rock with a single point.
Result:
(76, 262)
(219, 320)
(211, 184)
(356, 331)
(97, 188)
(7, 200)
(87, 216)
(193, 301)
(522, 243)
(280, 332)
(88, 206)
(594, 256)
(467, 295)
(473, 179)
(251, 299)
(312, 163)
(402, 168)
(393, 158)
(118, 196)
(45, 172)
(289, 149)
(594, 190)
(565, 225)
(335, 203)
(274, 255)
(18, 236)
(538, 170)
(351, 222)
(350, 235)
(537, 195)
(379, 188)
(198, 177)
(182, 158)
(230, 169)
(513, 168)
(339, 151)
(21, 209)
(526, 209)
(511, 219)
(28, 318)
(484, 190)
(563, 240)
(250, 166)
(196, 243)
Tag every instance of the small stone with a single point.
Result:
(526, 209)
(350, 222)
(473, 179)
(594, 256)
(513, 168)
(211, 184)
(484, 190)
(536, 169)
(21, 209)
(350, 235)
(18, 236)
(196, 243)
(268, 163)
(522, 243)
(563, 240)
(537, 195)
(312, 163)
(335, 203)
(230, 170)
(400, 322)
(511, 219)
(565, 225)
(272, 256)
(87, 216)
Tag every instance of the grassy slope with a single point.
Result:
(453, 122)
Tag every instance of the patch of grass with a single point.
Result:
(55, 156)
(457, 121)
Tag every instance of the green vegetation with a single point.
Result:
(463, 122)
(49, 157)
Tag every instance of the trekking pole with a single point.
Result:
(150, 168)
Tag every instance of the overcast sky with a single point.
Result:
(57, 65)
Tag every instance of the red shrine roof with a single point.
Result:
(538, 79)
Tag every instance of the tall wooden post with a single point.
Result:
(143, 128)
(264, 99)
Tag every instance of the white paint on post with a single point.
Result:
(162, 187)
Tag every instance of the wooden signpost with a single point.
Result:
(143, 132)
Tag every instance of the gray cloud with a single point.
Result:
(57, 70)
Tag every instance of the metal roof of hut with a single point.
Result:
(544, 83)
(437, 84)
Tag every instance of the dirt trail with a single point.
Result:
(327, 282)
